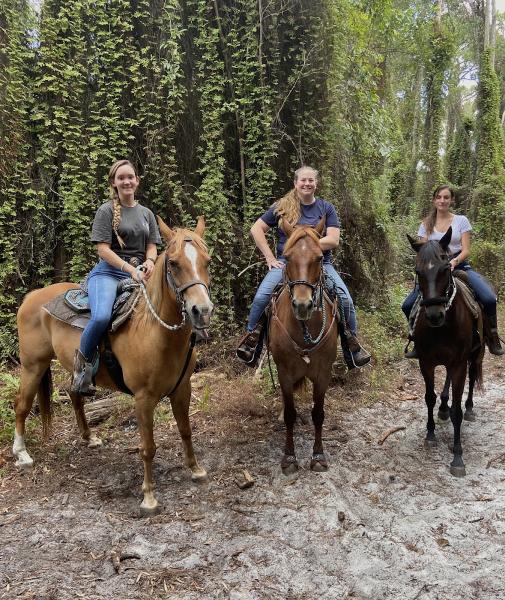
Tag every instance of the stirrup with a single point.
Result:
(246, 350)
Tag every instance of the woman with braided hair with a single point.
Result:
(300, 206)
(126, 235)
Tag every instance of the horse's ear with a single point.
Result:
(286, 227)
(416, 244)
(446, 239)
(166, 233)
(321, 225)
(200, 226)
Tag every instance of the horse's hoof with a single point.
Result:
(469, 415)
(149, 507)
(458, 471)
(289, 465)
(24, 460)
(318, 465)
(430, 443)
(94, 441)
(443, 415)
(199, 475)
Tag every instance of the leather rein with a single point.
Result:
(321, 299)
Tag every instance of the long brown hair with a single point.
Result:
(431, 219)
(114, 196)
(288, 207)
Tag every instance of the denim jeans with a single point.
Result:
(102, 288)
(480, 286)
(274, 277)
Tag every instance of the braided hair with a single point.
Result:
(114, 196)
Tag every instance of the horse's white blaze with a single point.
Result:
(430, 265)
(19, 451)
(192, 256)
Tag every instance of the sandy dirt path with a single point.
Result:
(385, 522)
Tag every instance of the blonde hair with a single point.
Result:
(114, 196)
(288, 207)
(431, 219)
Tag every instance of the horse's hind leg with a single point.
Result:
(443, 411)
(318, 462)
(458, 377)
(289, 464)
(87, 434)
(180, 408)
(31, 379)
(472, 376)
(430, 398)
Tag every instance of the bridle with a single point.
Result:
(446, 300)
(318, 299)
(178, 291)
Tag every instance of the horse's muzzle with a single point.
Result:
(435, 316)
(303, 309)
(200, 314)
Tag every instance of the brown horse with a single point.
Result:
(152, 348)
(444, 335)
(302, 336)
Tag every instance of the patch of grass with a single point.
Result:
(384, 328)
(203, 403)
(9, 385)
(163, 414)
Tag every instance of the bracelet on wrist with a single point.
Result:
(153, 260)
(122, 266)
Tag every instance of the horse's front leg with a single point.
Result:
(443, 411)
(428, 373)
(458, 376)
(180, 407)
(318, 462)
(144, 409)
(87, 434)
(289, 464)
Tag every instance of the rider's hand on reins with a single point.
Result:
(148, 267)
(140, 273)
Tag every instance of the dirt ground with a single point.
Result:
(385, 522)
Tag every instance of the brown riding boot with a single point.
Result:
(354, 353)
(246, 349)
(491, 335)
(82, 379)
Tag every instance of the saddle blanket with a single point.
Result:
(72, 307)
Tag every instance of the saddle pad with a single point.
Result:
(468, 296)
(62, 311)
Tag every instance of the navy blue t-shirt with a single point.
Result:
(311, 214)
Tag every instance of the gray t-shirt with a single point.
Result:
(137, 229)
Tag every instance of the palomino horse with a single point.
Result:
(444, 335)
(302, 336)
(153, 357)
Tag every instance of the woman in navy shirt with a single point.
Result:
(300, 207)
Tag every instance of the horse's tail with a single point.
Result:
(300, 386)
(44, 394)
(475, 372)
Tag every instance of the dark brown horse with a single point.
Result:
(303, 336)
(152, 347)
(444, 335)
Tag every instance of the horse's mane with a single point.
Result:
(157, 282)
(430, 251)
(298, 233)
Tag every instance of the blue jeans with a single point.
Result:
(274, 277)
(102, 288)
(480, 286)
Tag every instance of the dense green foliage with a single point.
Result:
(217, 102)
